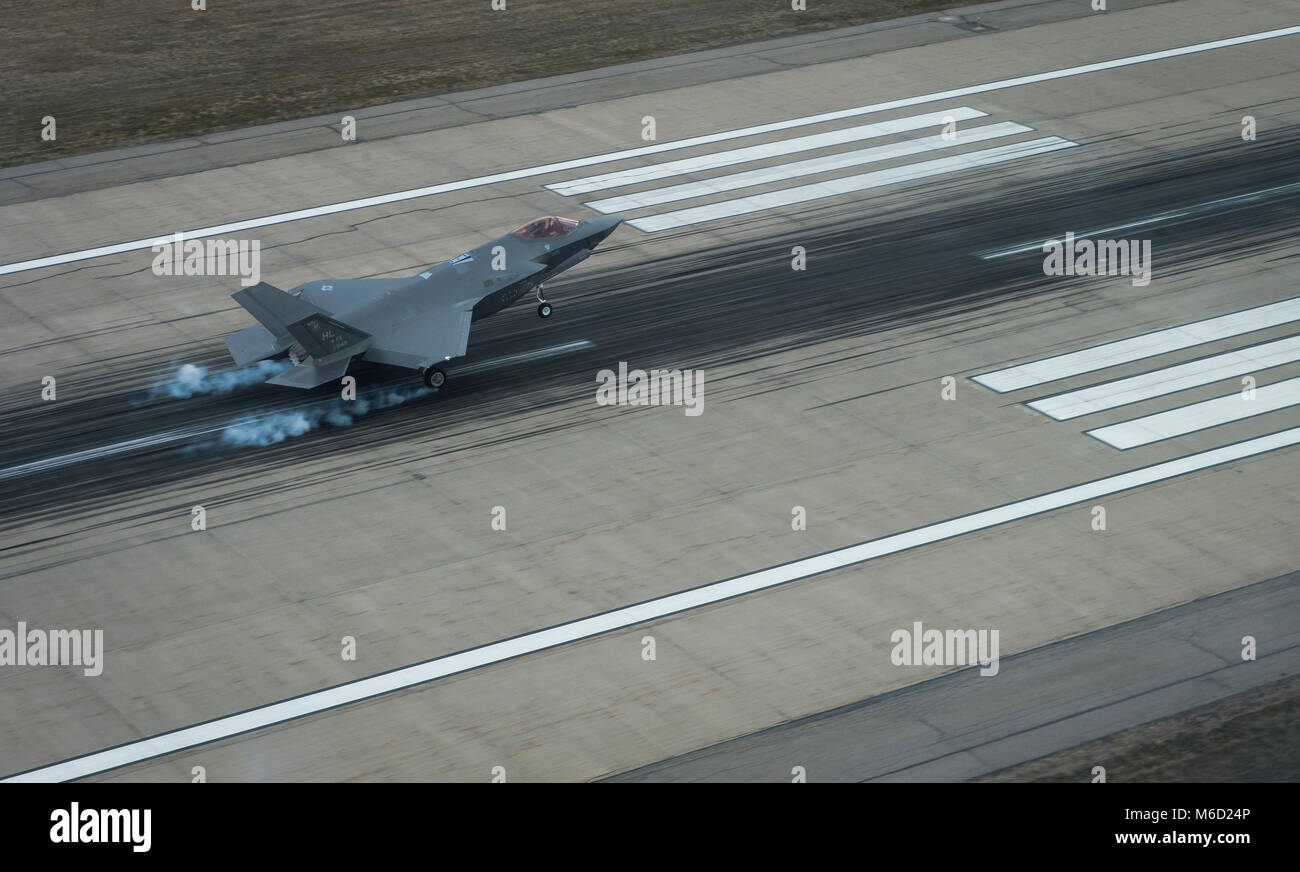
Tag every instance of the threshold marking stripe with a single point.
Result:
(717, 159)
(1199, 416)
(1169, 380)
(350, 205)
(644, 612)
(848, 184)
(782, 172)
(1139, 347)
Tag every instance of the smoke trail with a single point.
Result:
(190, 379)
(279, 426)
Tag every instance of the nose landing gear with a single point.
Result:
(544, 310)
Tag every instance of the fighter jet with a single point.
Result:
(420, 322)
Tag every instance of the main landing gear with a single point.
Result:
(544, 310)
(434, 377)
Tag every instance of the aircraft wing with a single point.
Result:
(427, 340)
(442, 332)
(338, 295)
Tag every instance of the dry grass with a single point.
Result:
(120, 72)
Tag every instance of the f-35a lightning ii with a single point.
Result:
(418, 322)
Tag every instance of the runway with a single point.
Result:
(824, 392)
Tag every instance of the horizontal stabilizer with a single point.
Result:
(255, 343)
(311, 375)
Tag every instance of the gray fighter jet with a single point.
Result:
(418, 322)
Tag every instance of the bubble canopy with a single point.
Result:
(546, 227)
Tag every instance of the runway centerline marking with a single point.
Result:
(640, 613)
(398, 196)
(102, 451)
(160, 439)
(1185, 212)
(523, 357)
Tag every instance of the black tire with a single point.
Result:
(544, 310)
(434, 378)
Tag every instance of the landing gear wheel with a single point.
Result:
(544, 310)
(434, 377)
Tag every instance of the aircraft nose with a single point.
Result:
(601, 228)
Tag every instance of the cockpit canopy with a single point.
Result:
(546, 227)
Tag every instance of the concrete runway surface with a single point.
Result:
(513, 653)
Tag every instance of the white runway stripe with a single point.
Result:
(1186, 212)
(1139, 347)
(717, 159)
(848, 184)
(103, 451)
(1169, 380)
(175, 436)
(641, 613)
(1200, 416)
(782, 172)
(523, 357)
